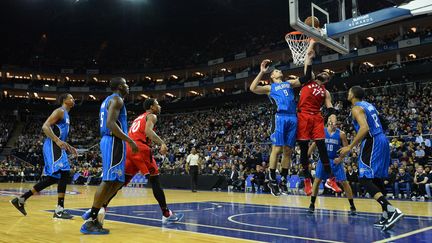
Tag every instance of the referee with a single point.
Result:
(192, 163)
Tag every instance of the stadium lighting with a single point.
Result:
(144, 96)
(371, 39)
(36, 95)
(368, 64)
(174, 76)
(414, 29)
(46, 85)
(92, 96)
(412, 55)
(147, 77)
(159, 80)
(199, 74)
(169, 94)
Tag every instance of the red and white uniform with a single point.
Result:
(310, 121)
(142, 161)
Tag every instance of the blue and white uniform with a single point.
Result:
(374, 157)
(284, 125)
(113, 149)
(333, 143)
(55, 158)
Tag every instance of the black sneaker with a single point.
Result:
(93, 227)
(383, 220)
(62, 215)
(353, 211)
(274, 188)
(393, 218)
(283, 188)
(18, 205)
(311, 209)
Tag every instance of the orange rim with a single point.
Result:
(287, 36)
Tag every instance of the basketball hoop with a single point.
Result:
(298, 44)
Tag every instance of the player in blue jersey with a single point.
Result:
(57, 167)
(284, 125)
(113, 130)
(374, 157)
(334, 140)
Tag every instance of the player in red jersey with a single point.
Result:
(142, 132)
(313, 96)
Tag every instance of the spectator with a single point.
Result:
(402, 180)
(419, 187)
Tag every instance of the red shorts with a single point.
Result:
(310, 126)
(142, 161)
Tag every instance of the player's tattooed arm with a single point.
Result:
(254, 85)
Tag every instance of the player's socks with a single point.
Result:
(60, 202)
(385, 205)
(94, 213)
(26, 195)
(165, 212)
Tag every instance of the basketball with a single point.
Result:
(316, 22)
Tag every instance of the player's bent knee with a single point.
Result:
(370, 187)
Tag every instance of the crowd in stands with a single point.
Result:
(233, 141)
(6, 127)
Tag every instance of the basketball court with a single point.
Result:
(134, 216)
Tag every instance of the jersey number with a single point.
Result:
(135, 126)
(316, 92)
(101, 119)
(375, 117)
(330, 147)
(286, 92)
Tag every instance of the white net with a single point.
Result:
(298, 44)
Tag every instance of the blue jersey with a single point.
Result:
(333, 143)
(61, 127)
(282, 95)
(103, 115)
(374, 123)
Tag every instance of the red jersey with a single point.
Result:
(312, 97)
(137, 130)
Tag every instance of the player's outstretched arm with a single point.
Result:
(254, 85)
(329, 105)
(113, 113)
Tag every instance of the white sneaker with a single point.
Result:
(413, 198)
(421, 199)
(174, 217)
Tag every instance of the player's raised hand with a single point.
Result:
(344, 151)
(133, 146)
(265, 64)
(163, 149)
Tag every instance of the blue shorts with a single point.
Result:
(337, 170)
(113, 151)
(374, 158)
(55, 159)
(284, 130)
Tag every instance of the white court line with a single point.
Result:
(218, 227)
(230, 218)
(323, 211)
(405, 235)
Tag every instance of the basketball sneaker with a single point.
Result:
(393, 218)
(60, 213)
(19, 204)
(93, 227)
(311, 209)
(380, 223)
(283, 187)
(331, 184)
(173, 218)
(100, 217)
(308, 186)
(353, 211)
(274, 188)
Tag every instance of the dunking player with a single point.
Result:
(142, 132)
(310, 121)
(284, 125)
(334, 139)
(374, 157)
(113, 129)
(57, 168)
